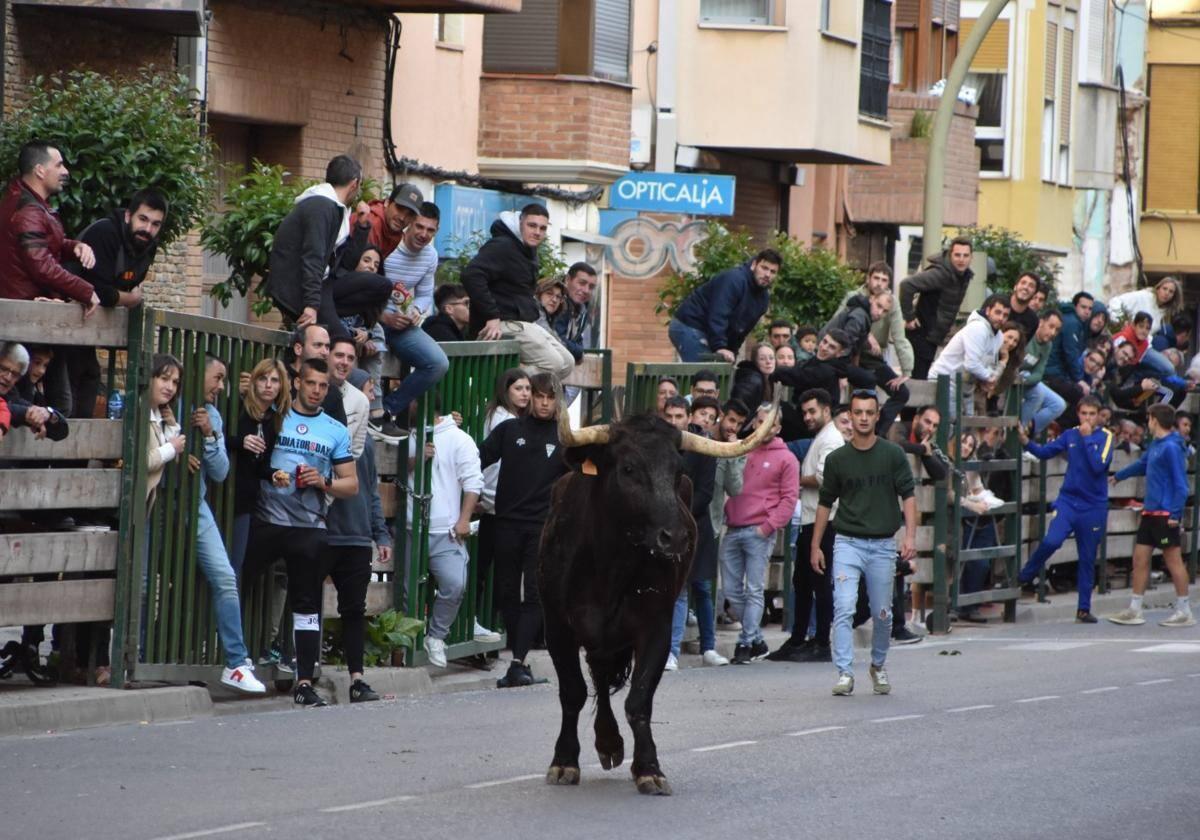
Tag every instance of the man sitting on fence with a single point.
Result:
(929, 301)
(386, 220)
(716, 318)
(501, 279)
(1082, 504)
(977, 350)
(858, 317)
(453, 314)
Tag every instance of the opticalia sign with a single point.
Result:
(668, 192)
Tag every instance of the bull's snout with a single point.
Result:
(665, 540)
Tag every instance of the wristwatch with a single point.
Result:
(328, 482)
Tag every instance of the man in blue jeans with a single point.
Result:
(210, 547)
(716, 318)
(1040, 405)
(864, 478)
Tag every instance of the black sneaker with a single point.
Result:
(815, 652)
(759, 650)
(904, 636)
(518, 675)
(1084, 617)
(786, 651)
(360, 692)
(741, 655)
(385, 430)
(306, 695)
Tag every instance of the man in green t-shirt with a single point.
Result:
(865, 479)
(1040, 405)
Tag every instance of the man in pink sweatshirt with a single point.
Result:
(771, 485)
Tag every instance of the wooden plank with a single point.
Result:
(40, 322)
(379, 598)
(921, 392)
(56, 601)
(587, 374)
(54, 553)
(1118, 547)
(387, 499)
(387, 457)
(88, 439)
(52, 489)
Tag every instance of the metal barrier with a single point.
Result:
(641, 381)
(164, 623)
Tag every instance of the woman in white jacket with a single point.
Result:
(1163, 301)
(976, 349)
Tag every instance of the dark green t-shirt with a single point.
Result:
(865, 484)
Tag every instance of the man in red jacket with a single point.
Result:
(33, 245)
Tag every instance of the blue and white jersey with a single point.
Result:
(317, 441)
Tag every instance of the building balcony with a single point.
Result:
(173, 17)
(895, 194)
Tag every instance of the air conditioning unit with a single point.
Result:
(641, 136)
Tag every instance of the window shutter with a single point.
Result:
(525, 42)
(1097, 37)
(610, 40)
(908, 14)
(1173, 138)
(736, 11)
(993, 52)
(951, 20)
(1051, 60)
(1064, 96)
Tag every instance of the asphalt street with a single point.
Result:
(1061, 731)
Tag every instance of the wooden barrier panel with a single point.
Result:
(379, 598)
(46, 489)
(87, 439)
(56, 601)
(42, 322)
(56, 553)
(587, 374)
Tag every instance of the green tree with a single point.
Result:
(808, 290)
(1013, 257)
(551, 262)
(118, 134)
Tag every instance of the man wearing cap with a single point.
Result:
(386, 220)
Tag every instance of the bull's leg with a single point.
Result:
(652, 648)
(572, 694)
(610, 746)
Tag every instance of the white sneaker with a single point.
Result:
(1128, 616)
(691, 619)
(1178, 619)
(1030, 458)
(711, 657)
(844, 686)
(242, 678)
(436, 650)
(672, 663)
(482, 634)
(991, 500)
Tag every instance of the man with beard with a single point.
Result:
(125, 244)
(1020, 303)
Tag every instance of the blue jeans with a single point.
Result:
(222, 583)
(1158, 364)
(701, 591)
(689, 342)
(1042, 406)
(854, 558)
(744, 556)
(428, 361)
(977, 532)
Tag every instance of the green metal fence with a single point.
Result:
(467, 388)
(641, 381)
(164, 626)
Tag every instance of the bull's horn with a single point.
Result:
(732, 449)
(585, 436)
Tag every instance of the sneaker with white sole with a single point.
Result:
(483, 634)
(242, 678)
(436, 650)
(1179, 619)
(672, 663)
(711, 657)
(844, 686)
(879, 680)
(1128, 616)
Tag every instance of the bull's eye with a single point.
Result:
(626, 469)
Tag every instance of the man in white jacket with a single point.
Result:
(456, 483)
(975, 349)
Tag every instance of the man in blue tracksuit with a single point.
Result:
(716, 318)
(1082, 504)
(1164, 463)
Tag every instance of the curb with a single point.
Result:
(40, 711)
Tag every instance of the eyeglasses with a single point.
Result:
(463, 302)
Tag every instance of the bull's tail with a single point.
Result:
(613, 671)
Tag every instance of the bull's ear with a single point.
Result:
(590, 460)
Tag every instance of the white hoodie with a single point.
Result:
(455, 471)
(1131, 303)
(325, 190)
(975, 349)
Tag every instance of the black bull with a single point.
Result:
(615, 554)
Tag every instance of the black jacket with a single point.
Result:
(501, 279)
(530, 462)
(302, 252)
(855, 320)
(726, 308)
(19, 404)
(441, 327)
(702, 470)
(749, 384)
(121, 265)
(249, 468)
(941, 291)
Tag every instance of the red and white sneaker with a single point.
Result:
(242, 678)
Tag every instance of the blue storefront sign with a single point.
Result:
(674, 192)
(467, 215)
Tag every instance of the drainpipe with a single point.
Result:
(935, 167)
(665, 131)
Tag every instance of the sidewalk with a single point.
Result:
(27, 710)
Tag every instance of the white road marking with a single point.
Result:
(374, 803)
(1156, 682)
(208, 832)
(1171, 647)
(816, 731)
(1101, 689)
(1039, 699)
(526, 778)
(1194, 676)
(1049, 646)
(728, 746)
(969, 708)
(896, 717)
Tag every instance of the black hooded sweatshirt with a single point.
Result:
(501, 279)
(121, 263)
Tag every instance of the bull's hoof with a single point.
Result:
(653, 785)
(562, 775)
(612, 759)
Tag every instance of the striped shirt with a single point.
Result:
(415, 271)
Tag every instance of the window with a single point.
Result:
(528, 41)
(754, 12)
(874, 74)
(450, 29)
(989, 79)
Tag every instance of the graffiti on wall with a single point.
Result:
(644, 247)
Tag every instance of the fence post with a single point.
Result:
(940, 622)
